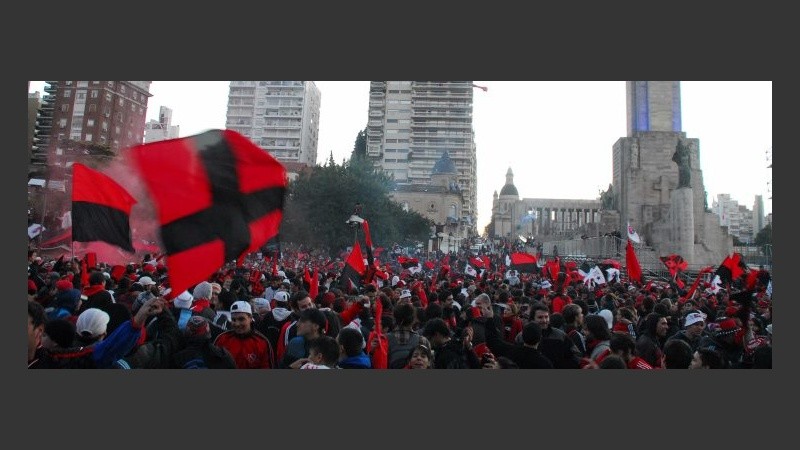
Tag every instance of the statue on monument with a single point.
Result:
(607, 198)
(683, 158)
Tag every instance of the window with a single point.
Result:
(83, 84)
(90, 123)
(67, 94)
(95, 93)
(122, 88)
(64, 107)
(110, 84)
(92, 108)
(121, 101)
(95, 82)
(62, 123)
(69, 83)
(108, 96)
(104, 126)
(81, 95)
(133, 107)
(87, 137)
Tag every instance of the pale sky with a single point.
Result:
(557, 136)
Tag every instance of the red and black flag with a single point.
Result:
(354, 269)
(674, 263)
(218, 197)
(407, 262)
(101, 209)
(524, 262)
(731, 268)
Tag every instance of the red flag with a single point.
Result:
(101, 209)
(379, 357)
(674, 263)
(218, 197)
(634, 269)
(91, 259)
(117, 272)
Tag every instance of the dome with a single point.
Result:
(444, 165)
(509, 189)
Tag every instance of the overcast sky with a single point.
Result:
(556, 135)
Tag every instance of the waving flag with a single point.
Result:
(523, 262)
(101, 209)
(470, 271)
(613, 274)
(218, 197)
(354, 269)
(731, 268)
(634, 269)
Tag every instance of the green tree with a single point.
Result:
(318, 206)
(764, 237)
(360, 147)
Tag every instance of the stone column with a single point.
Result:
(682, 222)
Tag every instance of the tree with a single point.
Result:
(360, 147)
(318, 206)
(764, 237)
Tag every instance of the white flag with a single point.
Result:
(633, 235)
(613, 274)
(470, 271)
(35, 230)
(415, 269)
(508, 260)
(597, 276)
(769, 289)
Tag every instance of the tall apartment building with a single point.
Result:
(411, 124)
(758, 215)
(37, 157)
(108, 113)
(161, 129)
(736, 217)
(282, 117)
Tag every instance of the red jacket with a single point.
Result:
(250, 351)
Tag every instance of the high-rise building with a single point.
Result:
(161, 129)
(105, 113)
(736, 217)
(282, 117)
(411, 124)
(758, 215)
(37, 155)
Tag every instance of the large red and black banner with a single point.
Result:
(101, 209)
(218, 197)
(524, 262)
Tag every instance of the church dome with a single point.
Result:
(444, 165)
(509, 189)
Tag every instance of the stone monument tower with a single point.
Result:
(657, 180)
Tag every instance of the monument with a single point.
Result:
(657, 180)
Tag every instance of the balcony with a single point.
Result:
(377, 103)
(376, 113)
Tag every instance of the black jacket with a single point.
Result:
(524, 357)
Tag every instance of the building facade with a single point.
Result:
(541, 218)
(161, 129)
(104, 113)
(741, 222)
(282, 117)
(440, 201)
(412, 124)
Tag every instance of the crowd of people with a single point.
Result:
(270, 314)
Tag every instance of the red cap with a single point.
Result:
(63, 285)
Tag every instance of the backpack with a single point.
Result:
(399, 352)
